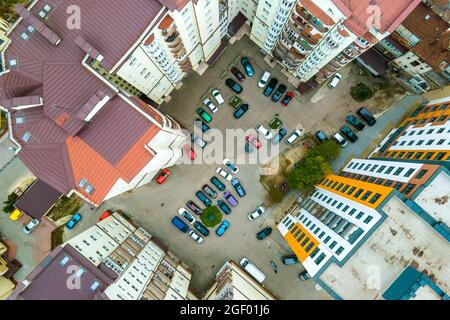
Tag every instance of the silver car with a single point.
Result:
(266, 133)
(255, 214)
(31, 226)
(207, 102)
(195, 237)
(294, 136)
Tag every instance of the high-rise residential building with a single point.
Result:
(423, 136)
(234, 283)
(113, 260)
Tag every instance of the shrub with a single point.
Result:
(276, 195)
(9, 204)
(211, 217)
(361, 92)
(329, 150)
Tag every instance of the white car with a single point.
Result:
(186, 215)
(264, 131)
(294, 136)
(218, 96)
(340, 139)
(255, 214)
(224, 174)
(196, 237)
(31, 226)
(210, 105)
(231, 166)
(265, 77)
(335, 80)
(199, 141)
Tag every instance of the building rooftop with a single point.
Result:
(403, 239)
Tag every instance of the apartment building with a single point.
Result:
(6, 285)
(234, 283)
(113, 260)
(423, 136)
(4, 27)
(313, 39)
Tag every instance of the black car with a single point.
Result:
(238, 74)
(217, 183)
(346, 131)
(233, 85)
(367, 116)
(202, 125)
(270, 87)
(290, 259)
(279, 93)
(354, 121)
(264, 233)
(201, 228)
(243, 108)
(194, 208)
(321, 136)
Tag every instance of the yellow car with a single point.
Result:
(15, 215)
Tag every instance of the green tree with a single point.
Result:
(9, 204)
(211, 217)
(308, 173)
(329, 150)
(361, 92)
(276, 195)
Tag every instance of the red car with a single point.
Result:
(251, 139)
(287, 98)
(190, 151)
(238, 74)
(163, 176)
(105, 215)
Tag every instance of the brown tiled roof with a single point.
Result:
(173, 5)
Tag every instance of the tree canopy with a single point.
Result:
(211, 216)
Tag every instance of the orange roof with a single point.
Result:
(149, 39)
(317, 12)
(165, 23)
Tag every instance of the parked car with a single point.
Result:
(204, 115)
(231, 166)
(201, 228)
(16, 215)
(238, 187)
(254, 141)
(294, 137)
(207, 102)
(279, 136)
(287, 98)
(235, 102)
(163, 176)
(265, 77)
(247, 66)
(199, 141)
(266, 133)
(196, 237)
(230, 198)
(224, 174)
(248, 148)
(238, 74)
(185, 214)
(279, 93)
(321, 136)
(209, 191)
(180, 224)
(223, 227)
(367, 116)
(73, 221)
(218, 96)
(202, 125)
(340, 139)
(240, 111)
(264, 233)
(256, 213)
(304, 276)
(217, 183)
(252, 270)
(346, 131)
(354, 121)
(335, 80)
(270, 87)
(194, 208)
(31, 226)
(233, 85)
(203, 198)
(105, 215)
(189, 151)
(223, 206)
(289, 260)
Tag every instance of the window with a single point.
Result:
(26, 137)
(375, 198)
(440, 142)
(440, 156)
(89, 189)
(398, 171)
(430, 142)
(358, 193)
(389, 170)
(368, 219)
(19, 120)
(429, 155)
(359, 215)
(64, 261)
(398, 185)
(421, 173)
(366, 195)
(409, 172)
(320, 258)
(409, 188)
(12, 62)
(340, 250)
(82, 183)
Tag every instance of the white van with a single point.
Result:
(257, 274)
(335, 80)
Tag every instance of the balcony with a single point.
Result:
(297, 55)
(311, 19)
(177, 48)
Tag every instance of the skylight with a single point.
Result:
(26, 137)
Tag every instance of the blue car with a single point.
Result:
(72, 222)
(279, 136)
(217, 183)
(270, 87)
(183, 227)
(247, 66)
(223, 227)
(240, 111)
(223, 206)
(238, 187)
(203, 198)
